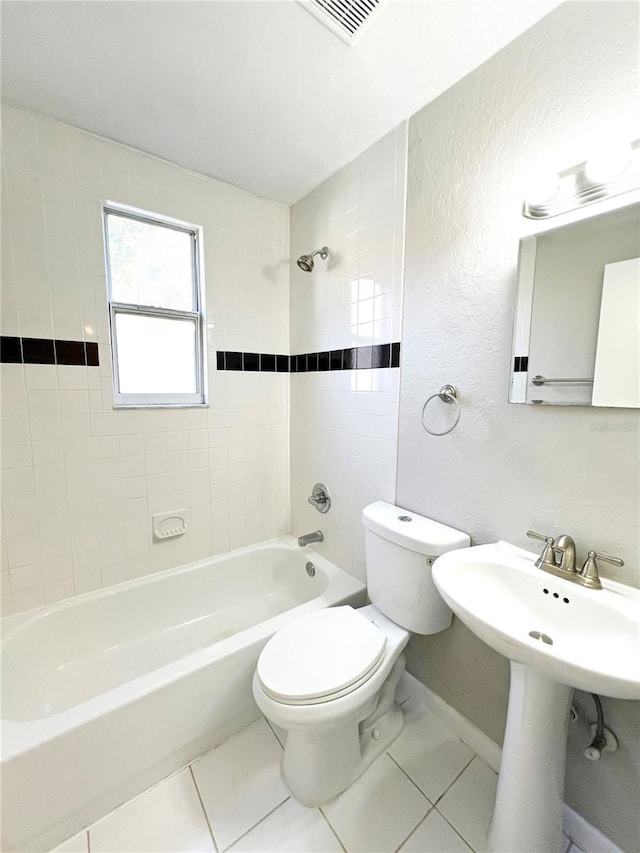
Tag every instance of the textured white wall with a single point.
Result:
(344, 423)
(80, 480)
(546, 98)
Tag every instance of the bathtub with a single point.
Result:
(105, 694)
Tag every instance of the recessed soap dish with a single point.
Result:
(168, 524)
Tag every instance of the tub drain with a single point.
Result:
(311, 569)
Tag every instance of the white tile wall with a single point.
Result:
(80, 480)
(344, 424)
(353, 298)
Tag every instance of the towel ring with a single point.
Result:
(448, 394)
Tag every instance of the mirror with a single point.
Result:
(576, 335)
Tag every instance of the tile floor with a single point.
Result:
(428, 794)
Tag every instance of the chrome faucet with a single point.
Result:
(316, 536)
(566, 547)
(566, 568)
(563, 547)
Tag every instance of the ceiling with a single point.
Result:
(258, 94)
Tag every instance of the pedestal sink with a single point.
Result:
(557, 635)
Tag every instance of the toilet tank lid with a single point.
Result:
(419, 534)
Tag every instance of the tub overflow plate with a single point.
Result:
(311, 569)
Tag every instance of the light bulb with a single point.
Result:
(542, 188)
(607, 164)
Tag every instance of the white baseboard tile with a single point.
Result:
(479, 742)
(584, 836)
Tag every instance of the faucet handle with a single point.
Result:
(320, 498)
(548, 554)
(616, 561)
(589, 573)
(533, 535)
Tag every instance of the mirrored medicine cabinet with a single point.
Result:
(576, 338)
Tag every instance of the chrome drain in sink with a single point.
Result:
(537, 635)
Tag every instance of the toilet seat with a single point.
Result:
(321, 657)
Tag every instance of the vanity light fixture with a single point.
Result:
(609, 172)
(543, 189)
(608, 164)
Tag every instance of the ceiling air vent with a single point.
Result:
(345, 18)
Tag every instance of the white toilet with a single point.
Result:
(329, 678)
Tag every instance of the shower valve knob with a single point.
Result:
(320, 498)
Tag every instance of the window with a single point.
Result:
(156, 308)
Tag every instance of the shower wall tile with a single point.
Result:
(344, 422)
(80, 479)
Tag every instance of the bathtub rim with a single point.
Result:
(20, 736)
(9, 624)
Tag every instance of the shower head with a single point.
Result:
(305, 262)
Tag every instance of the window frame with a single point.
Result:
(123, 400)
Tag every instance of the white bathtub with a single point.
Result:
(107, 693)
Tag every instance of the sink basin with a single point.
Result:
(557, 636)
(498, 592)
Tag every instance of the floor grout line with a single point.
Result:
(434, 805)
(333, 829)
(486, 763)
(268, 814)
(206, 816)
(415, 784)
(268, 722)
(446, 820)
(450, 786)
(327, 821)
(415, 829)
(431, 806)
(429, 810)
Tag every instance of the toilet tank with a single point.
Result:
(400, 547)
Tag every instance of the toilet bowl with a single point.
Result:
(329, 678)
(341, 713)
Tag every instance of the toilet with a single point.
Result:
(329, 678)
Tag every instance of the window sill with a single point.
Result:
(120, 406)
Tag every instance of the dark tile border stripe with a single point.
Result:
(16, 350)
(10, 350)
(45, 351)
(352, 358)
(91, 349)
(38, 351)
(521, 364)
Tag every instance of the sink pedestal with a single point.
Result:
(528, 812)
(590, 640)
